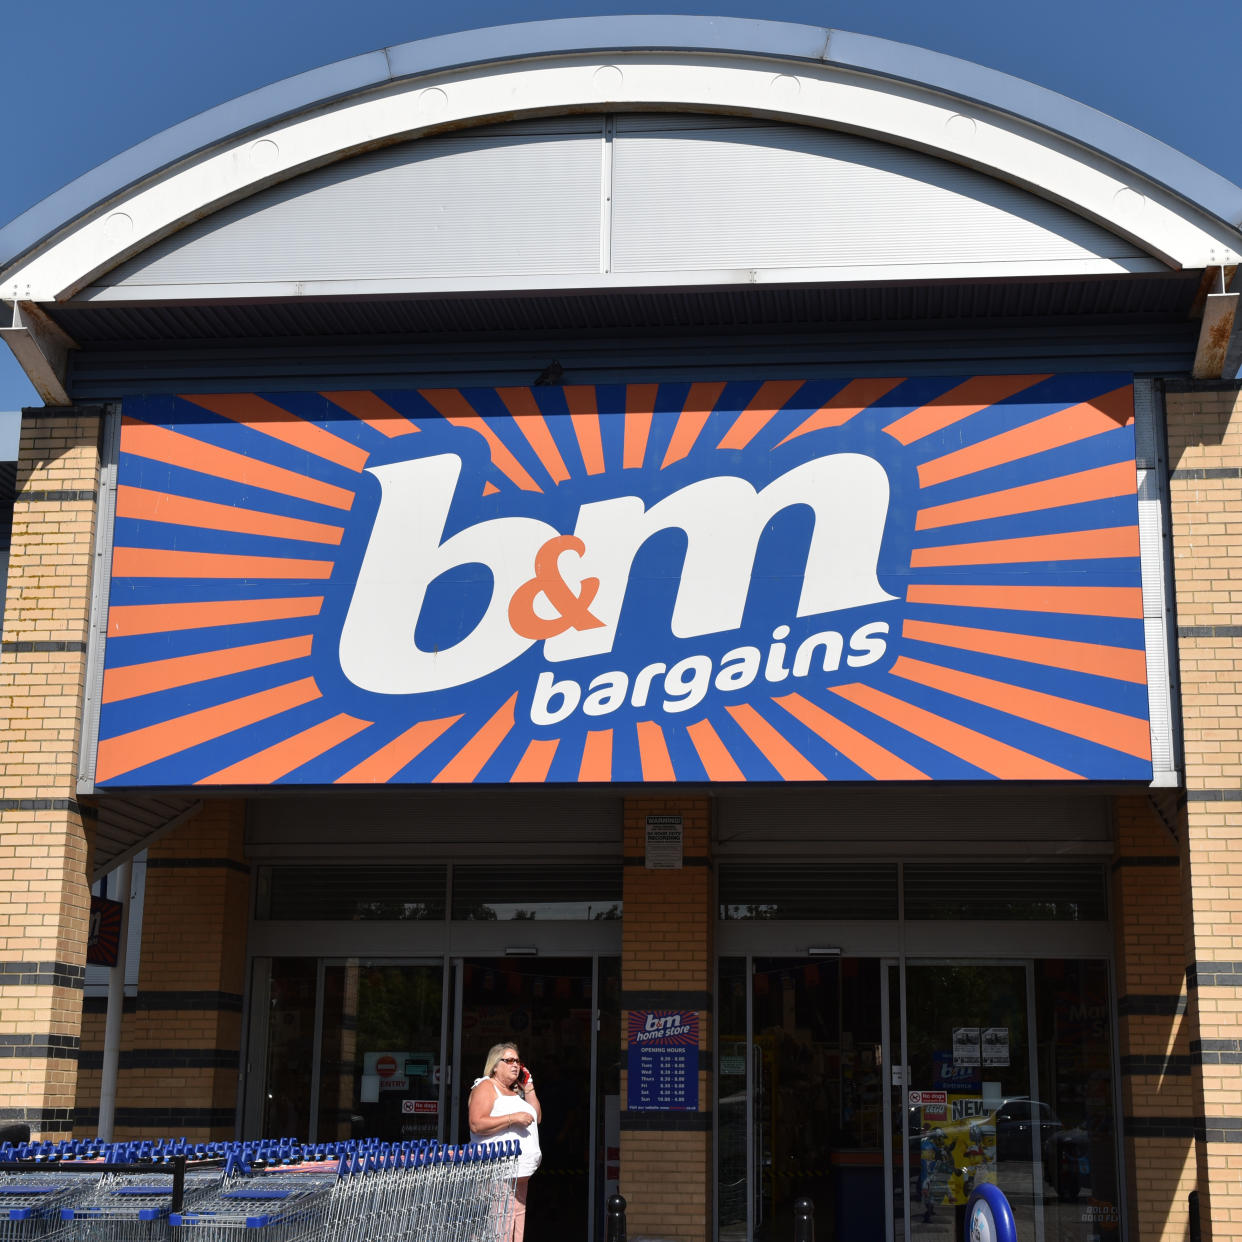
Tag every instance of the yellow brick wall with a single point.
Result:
(44, 845)
(668, 962)
(1157, 1088)
(661, 1177)
(1205, 461)
(180, 1052)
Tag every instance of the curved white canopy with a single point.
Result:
(1167, 205)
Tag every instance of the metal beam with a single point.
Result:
(42, 348)
(1215, 279)
(1215, 329)
(1233, 354)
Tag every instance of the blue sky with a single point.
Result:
(83, 81)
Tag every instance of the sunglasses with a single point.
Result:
(510, 1060)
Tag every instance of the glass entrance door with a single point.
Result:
(564, 1016)
(381, 1050)
(800, 1099)
(962, 1109)
(1008, 1078)
(353, 1047)
(885, 1096)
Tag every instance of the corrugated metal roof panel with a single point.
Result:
(124, 826)
(603, 358)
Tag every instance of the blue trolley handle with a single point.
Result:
(989, 1218)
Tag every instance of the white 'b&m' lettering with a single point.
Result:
(723, 519)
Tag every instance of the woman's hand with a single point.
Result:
(527, 1083)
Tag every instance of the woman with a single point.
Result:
(503, 1105)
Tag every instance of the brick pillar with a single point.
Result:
(1205, 460)
(1157, 1093)
(668, 963)
(44, 847)
(181, 1038)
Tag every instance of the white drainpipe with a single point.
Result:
(116, 1003)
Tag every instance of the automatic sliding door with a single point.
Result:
(351, 1048)
(288, 987)
(963, 1111)
(733, 1148)
(380, 1065)
(799, 1097)
(546, 1007)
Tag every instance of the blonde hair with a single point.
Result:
(494, 1053)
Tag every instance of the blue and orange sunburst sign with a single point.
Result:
(880, 579)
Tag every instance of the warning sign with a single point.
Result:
(935, 1104)
(420, 1106)
(385, 1071)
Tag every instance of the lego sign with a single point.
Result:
(880, 579)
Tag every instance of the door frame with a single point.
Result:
(754, 1216)
(1011, 943)
(255, 1035)
(415, 941)
(457, 966)
(902, 965)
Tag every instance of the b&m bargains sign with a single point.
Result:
(880, 579)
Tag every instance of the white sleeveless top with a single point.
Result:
(528, 1136)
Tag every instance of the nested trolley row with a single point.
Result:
(282, 1191)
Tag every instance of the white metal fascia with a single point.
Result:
(1152, 159)
(691, 278)
(798, 74)
(778, 40)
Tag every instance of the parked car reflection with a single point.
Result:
(1023, 1126)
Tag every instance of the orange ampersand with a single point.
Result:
(572, 610)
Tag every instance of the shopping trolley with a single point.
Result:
(133, 1203)
(285, 1204)
(90, 1191)
(432, 1193)
(31, 1199)
(172, 1191)
(476, 1192)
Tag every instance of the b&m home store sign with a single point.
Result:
(879, 579)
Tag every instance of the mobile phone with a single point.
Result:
(524, 1076)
